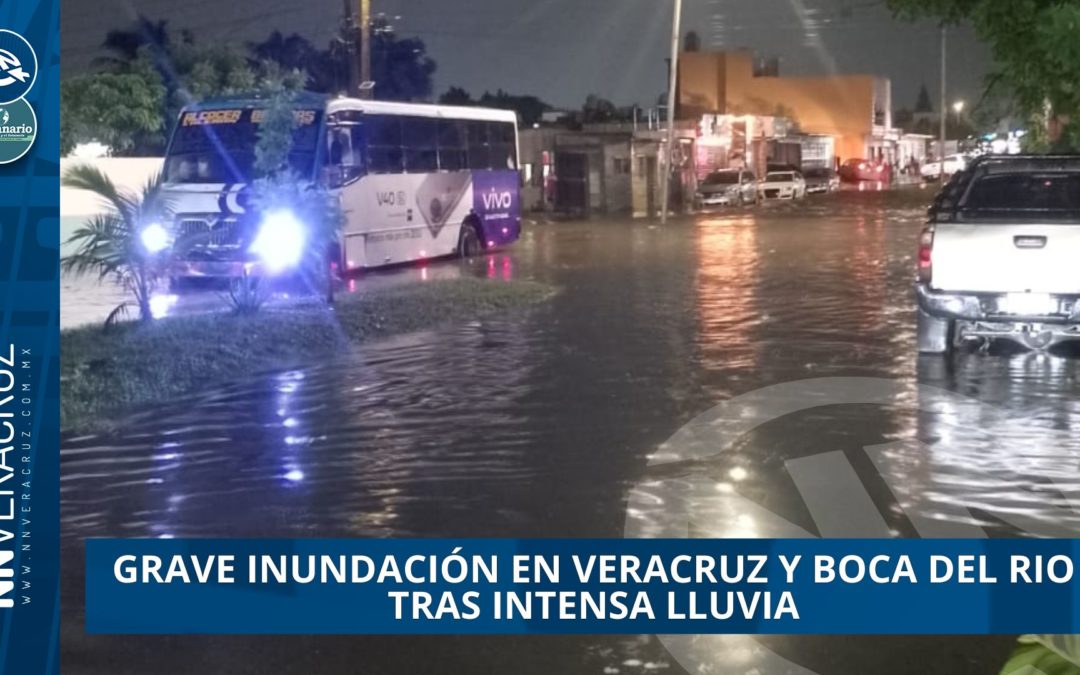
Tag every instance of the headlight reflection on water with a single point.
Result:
(162, 305)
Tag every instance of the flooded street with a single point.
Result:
(550, 422)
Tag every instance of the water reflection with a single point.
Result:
(543, 423)
(726, 287)
(1008, 460)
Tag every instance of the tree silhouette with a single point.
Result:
(291, 52)
(154, 38)
(530, 109)
(456, 96)
(923, 104)
(400, 67)
(1036, 59)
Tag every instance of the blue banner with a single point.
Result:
(29, 344)
(606, 586)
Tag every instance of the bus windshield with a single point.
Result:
(218, 146)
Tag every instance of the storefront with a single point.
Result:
(736, 141)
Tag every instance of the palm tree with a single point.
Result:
(123, 45)
(111, 245)
(291, 52)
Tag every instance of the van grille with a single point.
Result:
(211, 232)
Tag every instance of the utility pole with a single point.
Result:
(943, 109)
(673, 81)
(351, 52)
(365, 49)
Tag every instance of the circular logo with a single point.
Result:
(18, 66)
(18, 129)
(699, 487)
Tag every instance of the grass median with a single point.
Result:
(106, 373)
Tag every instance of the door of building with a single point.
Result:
(572, 182)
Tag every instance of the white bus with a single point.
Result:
(415, 181)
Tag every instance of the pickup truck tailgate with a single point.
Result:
(1003, 258)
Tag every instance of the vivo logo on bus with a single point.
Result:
(498, 200)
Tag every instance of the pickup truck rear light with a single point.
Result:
(926, 256)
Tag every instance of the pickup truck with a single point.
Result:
(1000, 256)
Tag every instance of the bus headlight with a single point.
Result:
(280, 241)
(155, 238)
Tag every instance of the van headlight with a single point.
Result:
(155, 238)
(280, 241)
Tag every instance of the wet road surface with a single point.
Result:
(549, 423)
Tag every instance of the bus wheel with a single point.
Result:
(469, 244)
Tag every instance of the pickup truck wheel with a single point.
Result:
(935, 335)
(1037, 341)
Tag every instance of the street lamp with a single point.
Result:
(958, 108)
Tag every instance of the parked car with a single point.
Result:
(997, 260)
(931, 171)
(782, 185)
(728, 187)
(821, 180)
(857, 170)
(773, 167)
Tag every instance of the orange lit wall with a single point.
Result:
(841, 106)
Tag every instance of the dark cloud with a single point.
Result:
(563, 50)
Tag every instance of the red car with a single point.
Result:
(856, 170)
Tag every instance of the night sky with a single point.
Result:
(564, 50)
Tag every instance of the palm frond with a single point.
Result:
(90, 178)
(153, 203)
(109, 244)
(119, 313)
(101, 246)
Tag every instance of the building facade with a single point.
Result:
(855, 111)
(608, 169)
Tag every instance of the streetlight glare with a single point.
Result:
(958, 107)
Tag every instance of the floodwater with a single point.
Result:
(552, 422)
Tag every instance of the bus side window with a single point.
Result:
(503, 148)
(479, 149)
(420, 140)
(384, 150)
(453, 155)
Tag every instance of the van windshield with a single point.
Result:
(218, 146)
